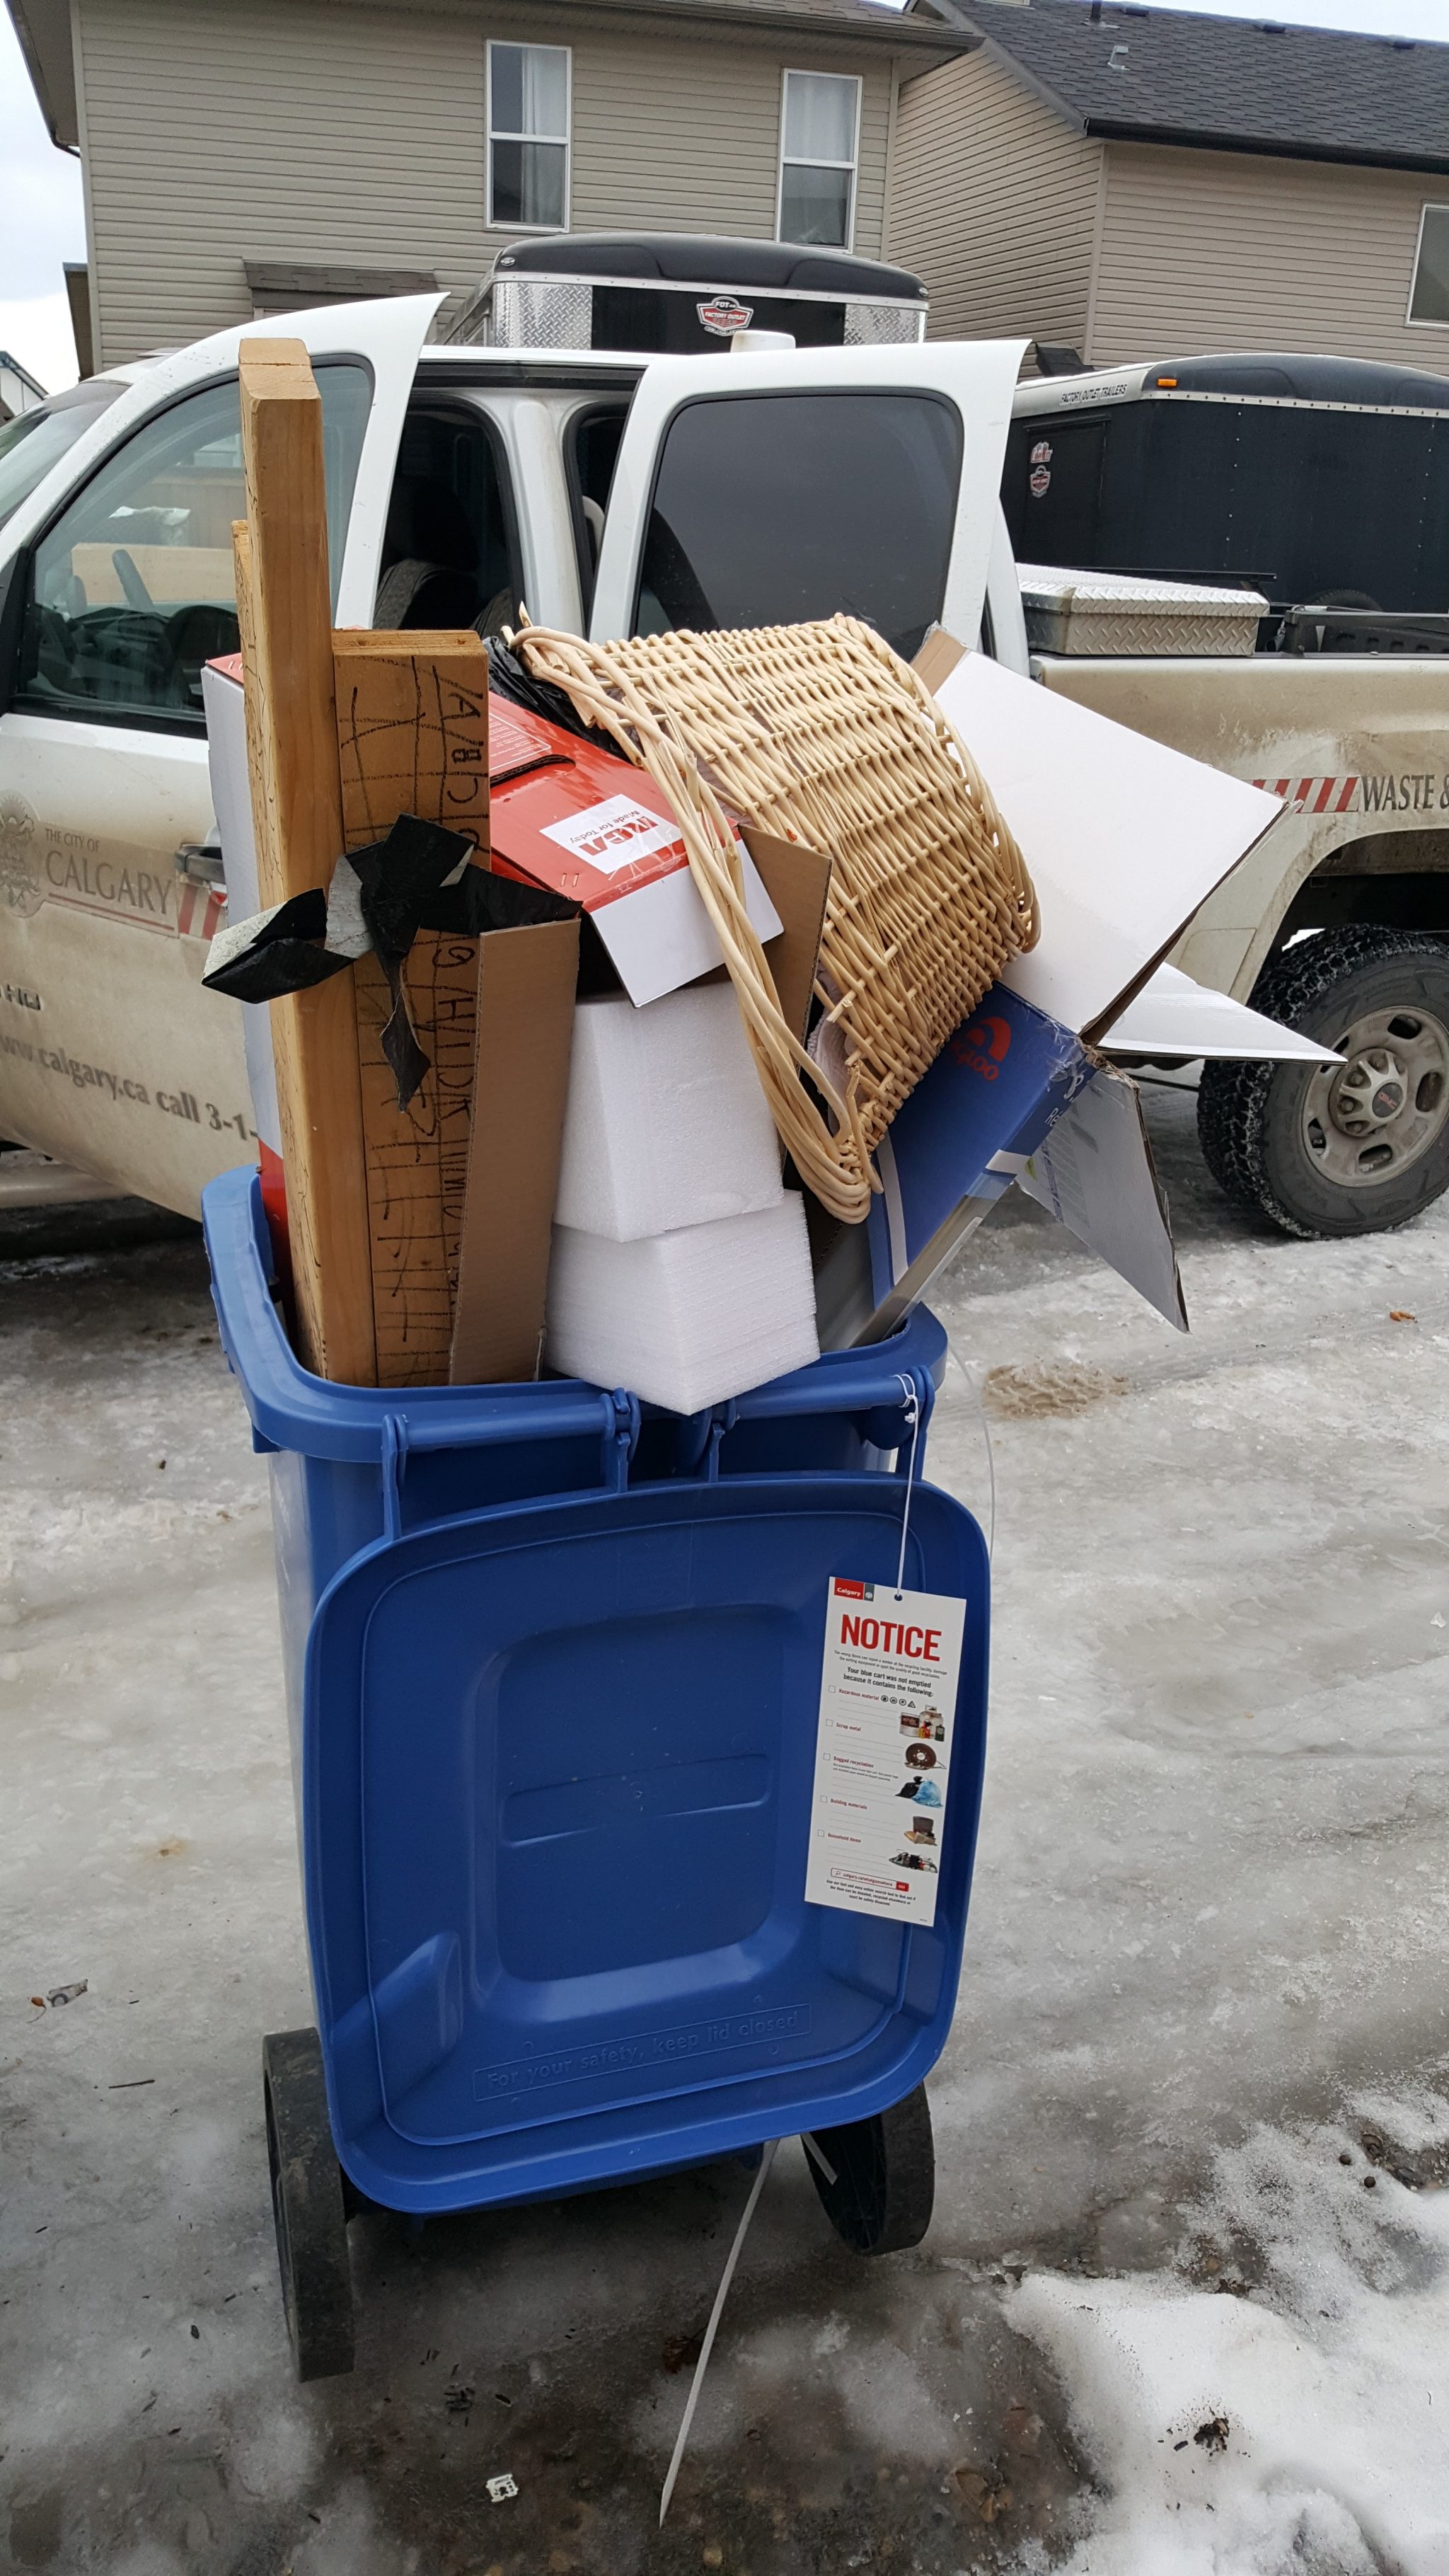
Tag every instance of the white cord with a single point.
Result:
(913, 1416)
(990, 1452)
(716, 2312)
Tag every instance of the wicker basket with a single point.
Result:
(822, 735)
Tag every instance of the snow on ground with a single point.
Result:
(1243, 2432)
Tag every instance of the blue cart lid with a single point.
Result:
(558, 1768)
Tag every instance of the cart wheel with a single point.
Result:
(885, 2177)
(307, 2205)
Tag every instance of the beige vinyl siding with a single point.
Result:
(993, 204)
(333, 130)
(1226, 250)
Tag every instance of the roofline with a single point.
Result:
(43, 32)
(1183, 138)
(1192, 139)
(901, 33)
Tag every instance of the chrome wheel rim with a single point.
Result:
(1367, 1119)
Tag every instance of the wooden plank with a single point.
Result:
(284, 607)
(412, 729)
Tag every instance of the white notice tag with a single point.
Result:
(883, 1753)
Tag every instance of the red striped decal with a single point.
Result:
(1350, 789)
(185, 907)
(215, 907)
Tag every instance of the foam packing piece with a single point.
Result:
(666, 1125)
(689, 1318)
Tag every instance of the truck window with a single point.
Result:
(447, 551)
(30, 445)
(591, 451)
(769, 508)
(131, 589)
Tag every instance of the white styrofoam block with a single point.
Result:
(689, 1318)
(666, 1124)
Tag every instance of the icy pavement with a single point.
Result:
(1205, 1962)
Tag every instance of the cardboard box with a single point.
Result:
(993, 1091)
(589, 826)
(1014, 1096)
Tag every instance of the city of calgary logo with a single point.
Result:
(983, 1046)
(724, 314)
(21, 884)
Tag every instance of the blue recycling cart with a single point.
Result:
(553, 1669)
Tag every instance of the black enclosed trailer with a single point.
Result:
(687, 293)
(1311, 479)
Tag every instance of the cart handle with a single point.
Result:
(618, 1426)
(805, 1393)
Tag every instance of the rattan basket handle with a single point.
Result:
(835, 1165)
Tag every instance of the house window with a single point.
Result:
(528, 136)
(1429, 301)
(819, 127)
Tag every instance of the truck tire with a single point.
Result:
(1346, 1149)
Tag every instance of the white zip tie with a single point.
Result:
(716, 2312)
(969, 1377)
(913, 1416)
(818, 2156)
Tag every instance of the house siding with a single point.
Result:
(1226, 250)
(993, 204)
(333, 131)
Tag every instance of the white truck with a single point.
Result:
(612, 493)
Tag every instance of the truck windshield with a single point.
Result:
(769, 508)
(30, 445)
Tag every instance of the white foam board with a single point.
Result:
(1173, 1016)
(690, 1318)
(666, 1124)
(1123, 837)
(231, 796)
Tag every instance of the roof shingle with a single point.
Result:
(1170, 76)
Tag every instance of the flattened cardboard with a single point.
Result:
(1174, 1016)
(797, 882)
(1124, 838)
(1094, 1171)
(526, 983)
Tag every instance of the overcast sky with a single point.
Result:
(41, 223)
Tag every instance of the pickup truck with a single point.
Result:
(614, 493)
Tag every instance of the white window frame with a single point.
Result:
(806, 72)
(1418, 321)
(517, 45)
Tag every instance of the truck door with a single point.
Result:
(761, 489)
(111, 1056)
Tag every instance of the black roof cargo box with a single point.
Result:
(686, 292)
